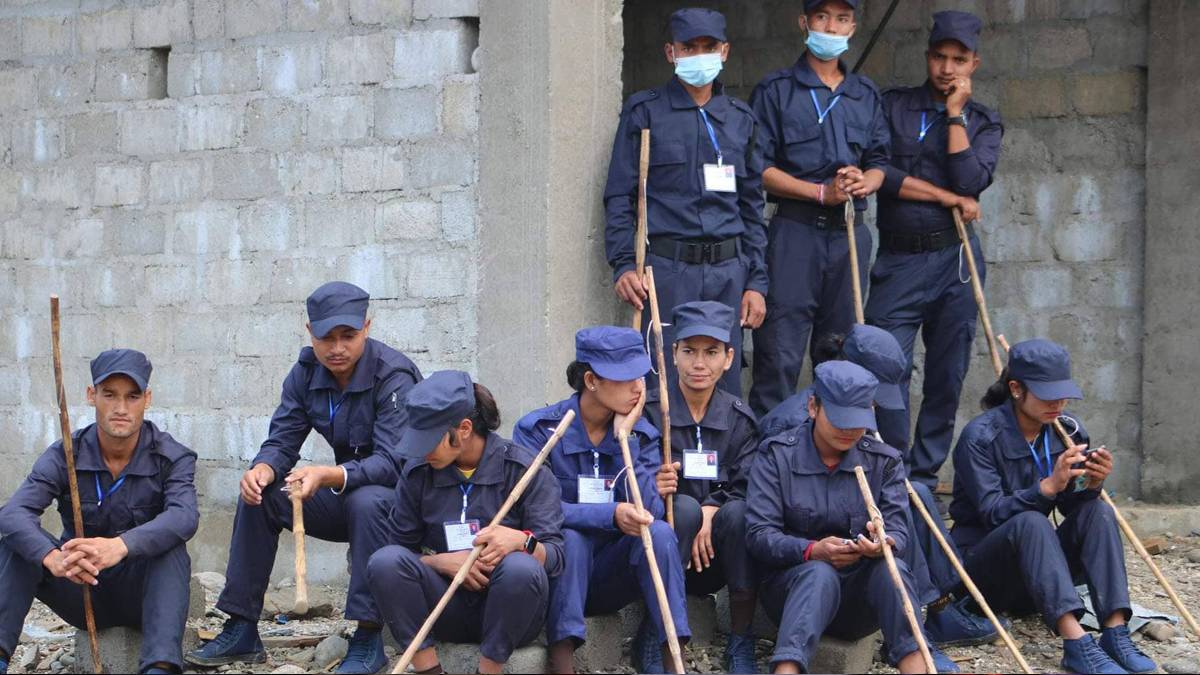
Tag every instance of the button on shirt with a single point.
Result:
(967, 173)
(795, 141)
(153, 510)
(367, 421)
(677, 205)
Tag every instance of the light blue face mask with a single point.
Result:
(699, 70)
(825, 46)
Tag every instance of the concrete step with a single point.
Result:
(121, 648)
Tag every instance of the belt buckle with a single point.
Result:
(822, 222)
(706, 253)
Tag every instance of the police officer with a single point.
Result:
(606, 566)
(809, 529)
(944, 150)
(713, 437)
(1010, 471)
(824, 141)
(138, 499)
(458, 472)
(351, 389)
(704, 190)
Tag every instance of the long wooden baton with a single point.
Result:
(301, 606)
(459, 576)
(639, 243)
(855, 282)
(624, 427)
(977, 287)
(877, 519)
(64, 421)
(663, 402)
(1127, 530)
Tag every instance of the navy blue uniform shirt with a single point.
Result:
(996, 476)
(793, 139)
(367, 422)
(153, 510)
(677, 205)
(967, 173)
(795, 500)
(574, 457)
(427, 498)
(728, 427)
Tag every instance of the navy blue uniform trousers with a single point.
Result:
(358, 516)
(508, 613)
(933, 572)
(732, 567)
(150, 594)
(1026, 565)
(926, 291)
(810, 296)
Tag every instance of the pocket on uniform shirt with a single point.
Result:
(144, 513)
(360, 439)
(668, 168)
(797, 521)
(857, 138)
(804, 144)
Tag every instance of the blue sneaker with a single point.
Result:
(647, 652)
(1085, 656)
(1116, 643)
(955, 626)
(238, 641)
(941, 662)
(739, 654)
(365, 655)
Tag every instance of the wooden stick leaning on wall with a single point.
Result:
(513, 497)
(64, 421)
(977, 287)
(663, 397)
(642, 232)
(855, 281)
(301, 606)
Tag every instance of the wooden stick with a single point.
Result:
(855, 282)
(64, 421)
(639, 243)
(663, 402)
(301, 607)
(459, 576)
(624, 427)
(881, 535)
(962, 573)
(977, 287)
(1128, 531)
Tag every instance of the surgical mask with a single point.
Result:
(699, 70)
(826, 46)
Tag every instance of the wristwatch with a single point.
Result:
(959, 119)
(531, 542)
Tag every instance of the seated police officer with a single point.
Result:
(138, 499)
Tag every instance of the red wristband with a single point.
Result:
(808, 551)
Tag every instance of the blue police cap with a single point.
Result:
(434, 405)
(334, 304)
(954, 25)
(693, 22)
(128, 362)
(810, 5)
(877, 350)
(1045, 368)
(705, 317)
(613, 353)
(846, 391)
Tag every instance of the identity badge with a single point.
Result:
(460, 536)
(720, 178)
(700, 464)
(595, 489)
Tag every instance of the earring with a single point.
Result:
(592, 388)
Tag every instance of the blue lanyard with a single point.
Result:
(925, 127)
(100, 494)
(1049, 468)
(699, 443)
(333, 409)
(712, 135)
(822, 114)
(465, 488)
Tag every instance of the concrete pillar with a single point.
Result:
(550, 95)
(1172, 282)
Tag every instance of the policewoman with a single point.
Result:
(824, 141)
(351, 390)
(704, 189)
(945, 147)
(138, 499)
(606, 567)
(457, 474)
(713, 438)
(809, 530)
(1010, 471)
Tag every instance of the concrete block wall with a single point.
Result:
(1063, 225)
(184, 172)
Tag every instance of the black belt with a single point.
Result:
(920, 242)
(815, 215)
(694, 252)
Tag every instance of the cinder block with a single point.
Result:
(120, 648)
(458, 214)
(10, 191)
(377, 269)
(118, 185)
(397, 13)
(18, 88)
(227, 72)
(58, 185)
(405, 113)
(405, 218)
(444, 9)
(272, 334)
(268, 226)
(66, 84)
(354, 219)
(840, 656)
(303, 173)
(464, 658)
(287, 70)
(1107, 93)
(208, 19)
(130, 77)
(209, 127)
(10, 39)
(702, 619)
(460, 106)
(338, 118)
(441, 161)
(135, 232)
(359, 59)
(272, 123)
(162, 25)
(244, 175)
(105, 31)
(150, 132)
(37, 140)
(438, 275)
(1037, 97)
(183, 68)
(246, 18)
(306, 15)
(372, 169)
(427, 56)
(172, 182)
(605, 644)
(1054, 48)
(207, 229)
(47, 35)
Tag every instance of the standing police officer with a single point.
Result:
(944, 152)
(824, 141)
(351, 389)
(704, 190)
